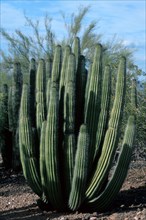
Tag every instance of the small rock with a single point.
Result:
(93, 218)
(87, 216)
(94, 214)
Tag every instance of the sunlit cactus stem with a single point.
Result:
(111, 136)
(93, 98)
(104, 112)
(52, 180)
(103, 201)
(40, 96)
(27, 148)
(79, 181)
(76, 50)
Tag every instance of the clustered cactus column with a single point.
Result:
(10, 105)
(77, 132)
(5, 134)
(13, 113)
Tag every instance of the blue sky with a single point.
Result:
(124, 18)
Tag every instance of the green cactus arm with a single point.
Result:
(64, 70)
(48, 68)
(69, 97)
(69, 108)
(51, 151)
(80, 170)
(104, 113)
(76, 50)
(104, 200)
(111, 136)
(71, 74)
(92, 102)
(133, 97)
(56, 64)
(40, 76)
(69, 122)
(48, 93)
(88, 83)
(69, 150)
(40, 117)
(42, 154)
(69, 136)
(27, 151)
(40, 95)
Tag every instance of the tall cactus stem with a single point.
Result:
(56, 69)
(103, 201)
(40, 96)
(48, 69)
(76, 50)
(93, 99)
(51, 151)
(27, 150)
(78, 188)
(104, 113)
(63, 71)
(110, 141)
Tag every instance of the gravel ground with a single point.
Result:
(17, 201)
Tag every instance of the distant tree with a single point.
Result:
(140, 143)
(75, 27)
(22, 47)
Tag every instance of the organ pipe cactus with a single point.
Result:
(5, 134)
(10, 111)
(14, 98)
(77, 142)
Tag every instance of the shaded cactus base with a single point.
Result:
(44, 206)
